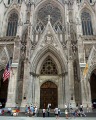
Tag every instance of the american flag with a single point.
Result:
(6, 73)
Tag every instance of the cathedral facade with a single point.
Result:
(52, 47)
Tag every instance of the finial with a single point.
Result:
(49, 17)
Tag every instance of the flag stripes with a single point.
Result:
(6, 73)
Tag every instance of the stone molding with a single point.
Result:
(7, 39)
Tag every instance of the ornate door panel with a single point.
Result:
(48, 94)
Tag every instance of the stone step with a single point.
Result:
(91, 114)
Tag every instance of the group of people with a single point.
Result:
(76, 112)
(72, 112)
(31, 110)
(48, 110)
(69, 111)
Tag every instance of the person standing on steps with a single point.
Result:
(66, 111)
(56, 112)
(48, 112)
(43, 111)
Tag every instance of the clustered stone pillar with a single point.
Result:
(37, 91)
(25, 83)
(71, 82)
(31, 90)
(11, 97)
(85, 90)
(71, 74)
(67, 93)
(60, 91)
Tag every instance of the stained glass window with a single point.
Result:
(86, 24)
(12, 25)
(52, 10)
(49, 67)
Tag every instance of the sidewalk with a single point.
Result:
(46, 118)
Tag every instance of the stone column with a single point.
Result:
(89, 94)
(71, 82)
(25, 83)
(60, 91)
(11, 97)
(32, 21)
(67, 89)
(85, 90)
(66, 21)
(71, 73)
(37, 92)
(30, 88)
(33, 90)
(63, 89)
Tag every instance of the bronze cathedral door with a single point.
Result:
(48, 94)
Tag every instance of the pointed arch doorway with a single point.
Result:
(93, 87)
(48, 95)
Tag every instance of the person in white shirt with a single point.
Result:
(36, 110)
(56, 112)
(44, 111)
(66, 111)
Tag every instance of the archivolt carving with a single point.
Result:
(91, 61)
(92, 57)
(39, 27)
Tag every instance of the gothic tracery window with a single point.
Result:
(39, 27)
(52, 10)
(58, 27)
(49, 67)
(12, 25)
(86, 23)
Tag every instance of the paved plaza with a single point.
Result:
(46, 118)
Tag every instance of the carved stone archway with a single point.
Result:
(93, 86)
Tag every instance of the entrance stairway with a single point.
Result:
(22, 114)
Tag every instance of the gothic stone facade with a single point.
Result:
(50, 42)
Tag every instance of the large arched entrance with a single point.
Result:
(93, 87)
(48, 95)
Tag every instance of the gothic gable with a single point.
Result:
(49, 39)
(85, 5)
